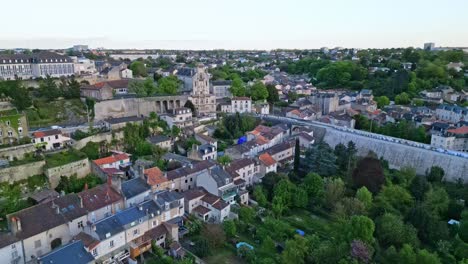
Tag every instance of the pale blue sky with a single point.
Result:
(235, 24)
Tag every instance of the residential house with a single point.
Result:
(206, 206)
(121, 122)
(203, 152)
(283, 152)
(262, 108)
(241, 105)
(305, 114)
(221, 89)
(46, 226)
(306, 140)
(11, 249)
(452, 113)
(453, 139)
(50, 139)
(267, 164)
(101, 201)
(245, 169)
(74, 250)
(161, 141)
(13, 126)
(98, 93)
(204, 139)
(185, 178)
(135, 191)
(218, 182)
(180, 117)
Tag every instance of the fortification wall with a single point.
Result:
(400, 155)
(21, 172)
(16, 151)
(98, 138)
(137, 106)
(81, 168)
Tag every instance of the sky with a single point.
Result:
(234, 24)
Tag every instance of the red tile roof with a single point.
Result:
(155, 176)
(267, 159)
(111, 159)
(99, 197)
(461, 130)
(41, 134)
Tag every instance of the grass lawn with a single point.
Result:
(308, 222)
(62, 158)
(223, 256)
(28, 158)
(47, 113)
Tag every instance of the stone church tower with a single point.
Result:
(201, 98)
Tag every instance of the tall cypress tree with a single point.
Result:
(297, 156)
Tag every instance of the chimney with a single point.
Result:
(81, 201)
(86, 186)
(56, 207)
(141, 171)
(16, 226)
(140, 207)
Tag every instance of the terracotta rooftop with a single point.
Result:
(155, 176)
(111, 159)
(267, 159)
(461, 130)
(46, 133)
(99, 197)
(89, 241)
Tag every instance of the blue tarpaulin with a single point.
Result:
(242, 140)
(300, 232)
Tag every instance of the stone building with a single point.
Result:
(201, 97)
(42, 64)
(13, 126)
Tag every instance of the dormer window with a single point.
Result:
(8, 123)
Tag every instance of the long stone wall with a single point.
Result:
(400, 155)
(21, 172)
(137, 106)
(16, 151)
(98, 138)
(81, 168)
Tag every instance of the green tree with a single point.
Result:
(229, 228)
(49, 89)
(295, 250)
(314, 185)
(402, 99)
(297, 156)
(394, 199)
(138, 69)
(258, 91)
(168, 85)
(382, 101)
(361, 228)
(321, 159)
(437, 201)
(436, 174)
(237, 87)
(224, 160)
(364, 196)
(334, 192)
(391, 230)
(300, 198)
(246, 214)
(260, 196)
(273, 95)
(20, 96)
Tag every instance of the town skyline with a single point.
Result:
(245, 25)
